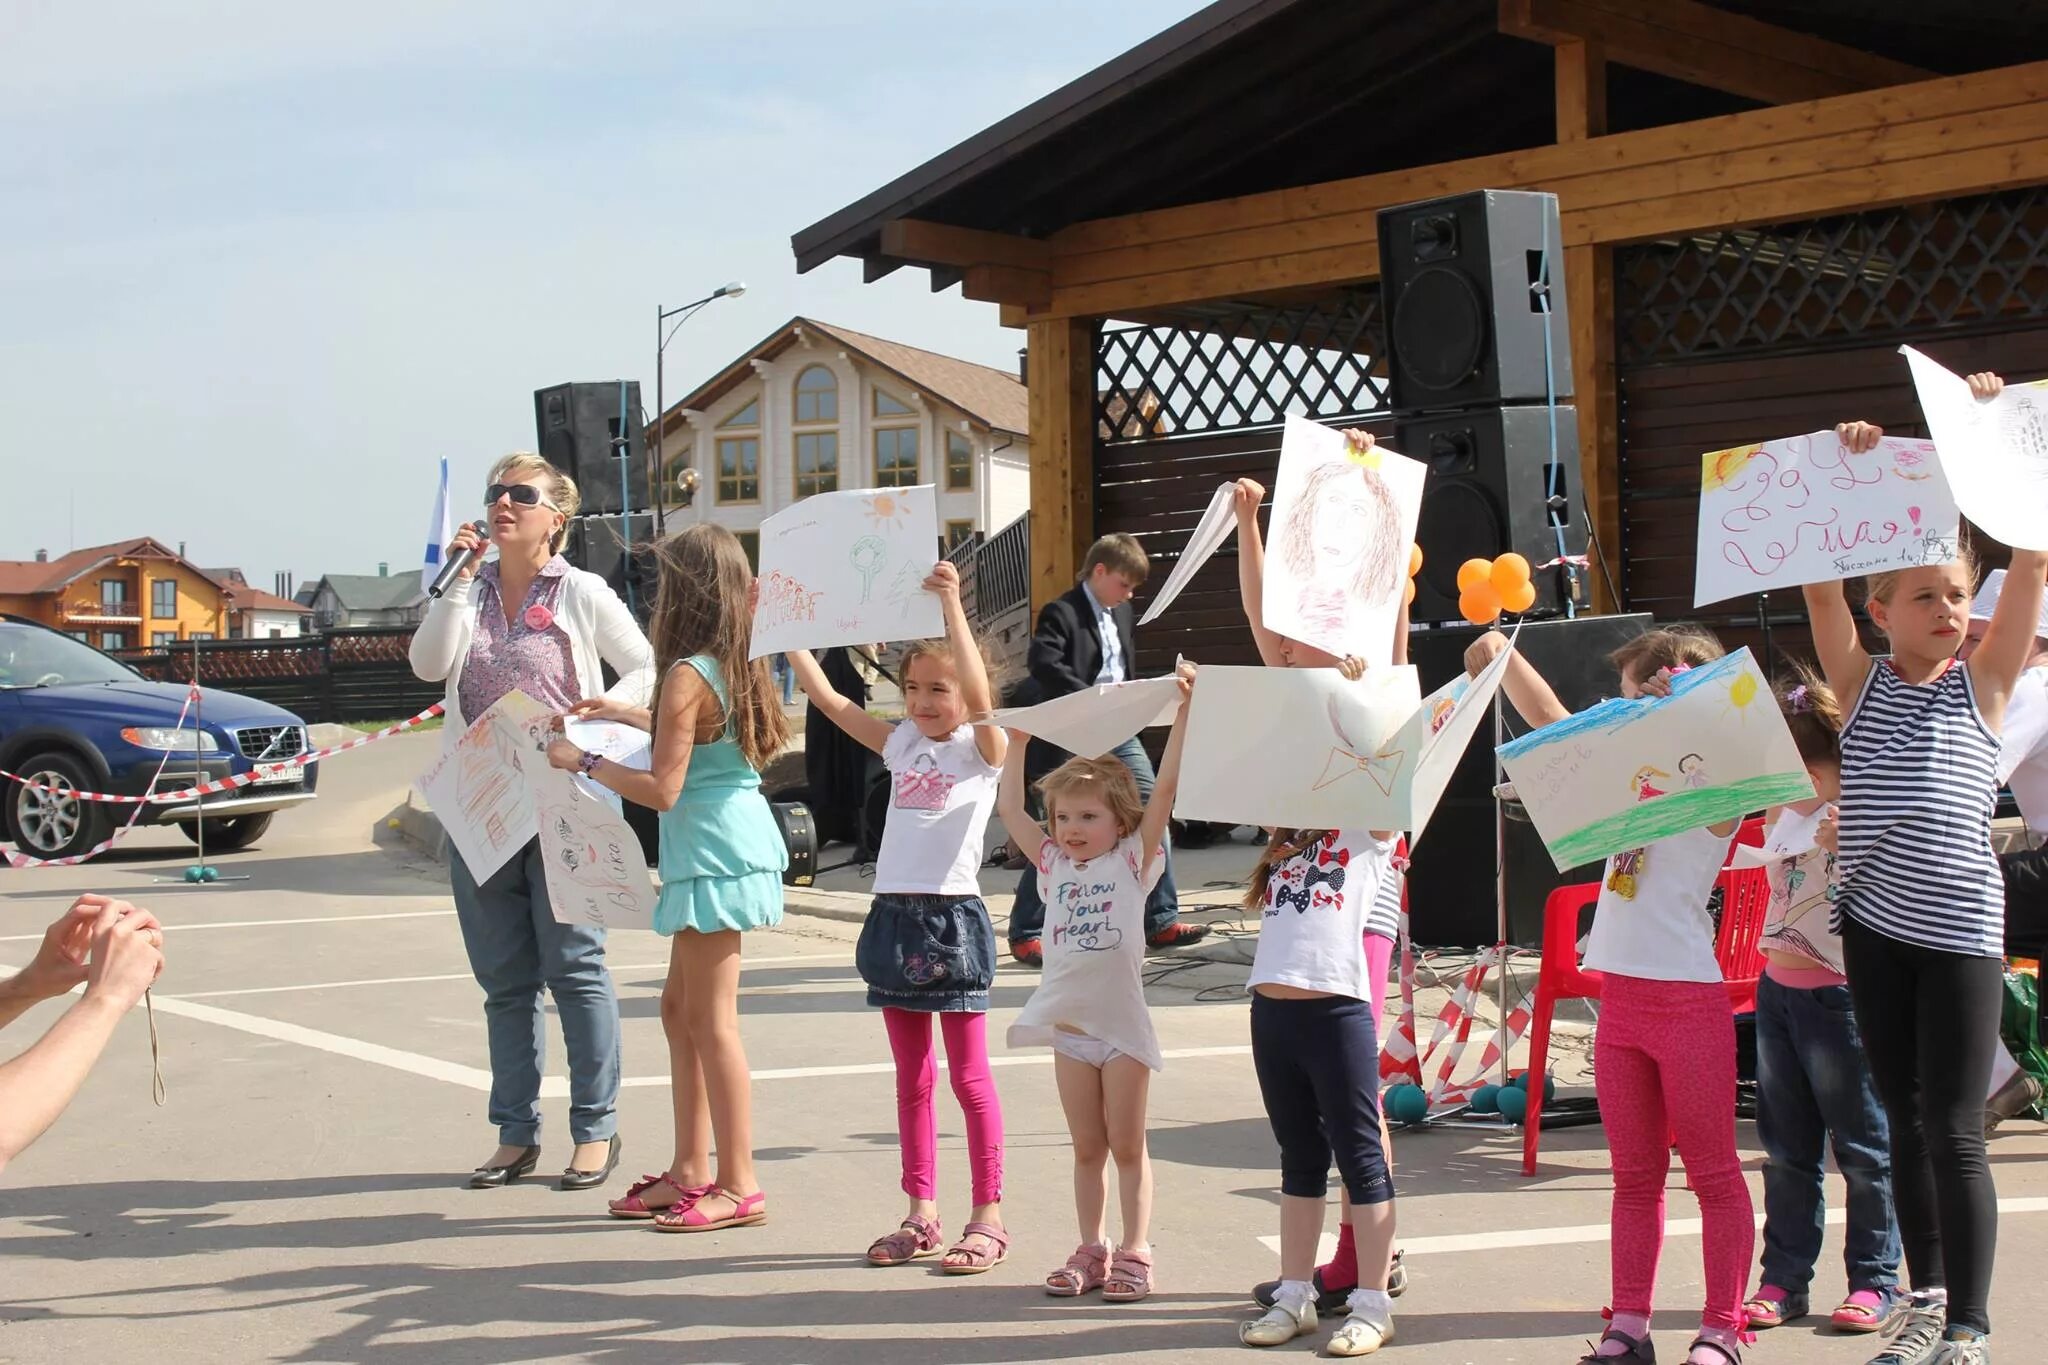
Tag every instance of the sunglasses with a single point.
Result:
(522, 495)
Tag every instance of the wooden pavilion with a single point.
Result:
(1761, 199)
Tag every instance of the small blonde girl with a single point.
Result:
(1095, 870)
(927, 946)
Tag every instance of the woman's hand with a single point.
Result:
(1483, 651)
(1861, 437)
(602, 708)
(127, 954)
(945, 581)
(467, 538)
(1352, 667)
(564, 755)
(1247, 497)
(1985, 386)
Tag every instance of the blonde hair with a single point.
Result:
(1879, 587)
(1377, 576)
(560, 488)
(1104, 779)
(700, 607)
(1120, 553)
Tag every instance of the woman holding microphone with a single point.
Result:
(529, 621)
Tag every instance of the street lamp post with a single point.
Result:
(663, 334)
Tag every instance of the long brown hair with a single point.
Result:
(1285, 844)
(1812, 713)
(700, 607)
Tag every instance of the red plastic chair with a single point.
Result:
(1745, 897)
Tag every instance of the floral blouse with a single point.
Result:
(530, 653)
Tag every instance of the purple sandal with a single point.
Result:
(917, 1238)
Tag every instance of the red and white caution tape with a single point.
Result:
(255, 774)
(22, 860)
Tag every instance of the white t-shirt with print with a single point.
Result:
(1312, 934)
(1652, 921)
(2023, 747)
(1094, 939)
(941, 792)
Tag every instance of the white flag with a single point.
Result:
(438, 533)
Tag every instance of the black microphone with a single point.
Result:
(460, 560)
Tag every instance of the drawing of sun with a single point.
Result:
(888, 510)
(1718, 468)
(1742, 695)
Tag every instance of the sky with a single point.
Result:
(262, 265)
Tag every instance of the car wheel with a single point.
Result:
(55, 823)
(228, 833)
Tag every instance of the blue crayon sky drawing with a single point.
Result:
(1623, 773)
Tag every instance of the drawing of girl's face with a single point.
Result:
(1342, 530)
(1345, 532)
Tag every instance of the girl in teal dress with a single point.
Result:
(716, 723)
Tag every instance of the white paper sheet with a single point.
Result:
(1217, 525)
(1093, 722)
(622, 744)
(596, 873)
(1790, 835)
(848, 568)
(1625, 773)
(1806, 510)
(477, 788)
(1337, 556)
(1994, 454)
(1449, 717)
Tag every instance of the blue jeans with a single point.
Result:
(515, 947)
(1162, 907)
(785, 677)
(1813, 1087)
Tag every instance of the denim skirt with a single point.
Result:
(930, 953)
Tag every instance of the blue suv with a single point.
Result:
(75, 720)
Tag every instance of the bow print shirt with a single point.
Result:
(1312, 934)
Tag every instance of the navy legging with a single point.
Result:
(1318, 1063)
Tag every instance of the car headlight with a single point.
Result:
(163, 737)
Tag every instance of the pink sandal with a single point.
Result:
(633, 1204)
(745, 1213)
(1086, 1269)
(1130, 1277)
(917, 1238)
(994, 1250)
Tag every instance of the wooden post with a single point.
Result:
(1061, 365)
(1581, 74)
(1589, 291)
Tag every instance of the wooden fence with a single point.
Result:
(338, 677)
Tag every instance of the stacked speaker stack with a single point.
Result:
(1479, 361)
(1480, 368)
(591, 432)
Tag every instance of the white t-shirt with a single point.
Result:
(1313, 933)
(2023, 747)
(1094, 978)
(1802, 891)
(940, 794)
(1652, 919)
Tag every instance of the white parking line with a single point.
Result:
(557, 1087)
(468, 976)
(264, 923)
(469, 1077)
(1574, 1234)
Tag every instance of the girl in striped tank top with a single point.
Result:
(1921, 904)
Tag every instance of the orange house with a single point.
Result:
(125, 595)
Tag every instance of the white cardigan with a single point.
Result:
(599, 628)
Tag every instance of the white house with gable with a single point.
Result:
(814, 408)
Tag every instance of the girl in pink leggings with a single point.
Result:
(1664, 1054)
(927, 947)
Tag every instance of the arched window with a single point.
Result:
(817, 395)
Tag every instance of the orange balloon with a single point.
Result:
(1519, 598)
(1508, 571)
(1474, 572)
(1479, 604)
(1414, 560)
(1411, 592)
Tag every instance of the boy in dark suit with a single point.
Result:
(1084, 637)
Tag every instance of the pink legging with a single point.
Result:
(1664, 1064)
(974, 1085)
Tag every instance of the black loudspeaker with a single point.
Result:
(599, 545)
(1462, 284)
(576, 426)
(800, 837)
(1492, 489)
(1451, 890)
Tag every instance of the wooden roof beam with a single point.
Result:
(1704, 46)
(913, 239)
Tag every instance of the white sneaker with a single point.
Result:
(1361, 1336)
(1278, 1325)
